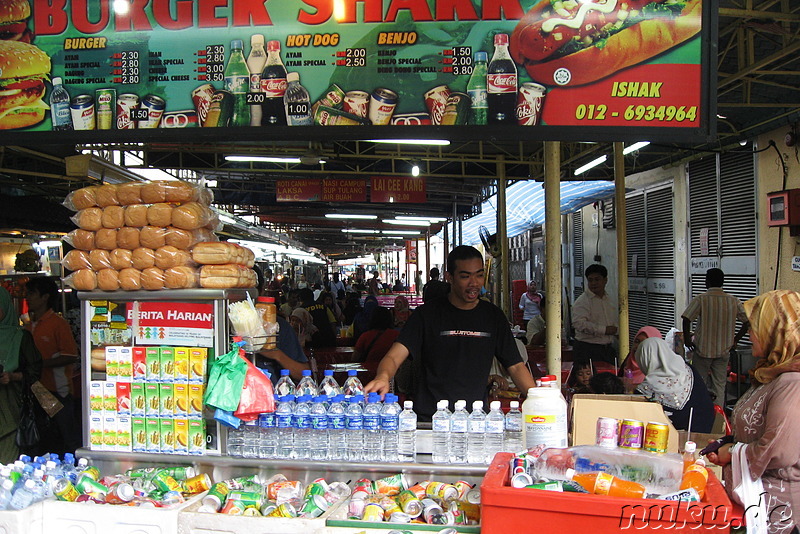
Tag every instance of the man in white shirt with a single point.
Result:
(595, 319)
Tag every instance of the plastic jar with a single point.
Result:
(544, 414)
(265, 306)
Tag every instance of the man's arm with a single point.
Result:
(295, 368)
(582, 319)
(388, 367)
(687, 333)
(59, 360)
(522, 377)
(741, 333)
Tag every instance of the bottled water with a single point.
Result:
(329, 386)
(283, 424)
(285, 384)
(459, 426)
(513, 431)
(390, 421)
(24, 496)
(59, 106)
(297, 102)
(68, 468)
(301, 422)
(319, 429)
(251, 439)
(495, 425)
(476, 447)
(354, 425)
(373, 445)
(407, 433)
(352, 386)
(267, 435)
(306, 386)
(236, 441)
(441, 434)
(5, 493)
(337, 444)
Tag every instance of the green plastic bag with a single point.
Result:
(225, 380)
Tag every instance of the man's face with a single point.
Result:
(36, 300)
(466, 282)
(597, 284)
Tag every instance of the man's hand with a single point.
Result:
(5, 378)
(379, 385)
(689, 341)
(611, 330)
(722, 456)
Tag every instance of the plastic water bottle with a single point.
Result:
(476, 431)
(285, 384)
(236, 441)
(440, 424)
(59, 106)
(283, 424)
(5, 493)
(407, 433)
(329, 386)
(337, 443)
(267, 435)
(319, 429)
(354, 428)
(306, 386)
(297, 102)
(352, 386)
(24, 496)
(459, 427)
(495, 426)
(301, 423)
(513, 432)
(390, 422)
(373, 445)
(251, 439)
(68, 467)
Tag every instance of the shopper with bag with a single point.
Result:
(764, 453)
(21, 365)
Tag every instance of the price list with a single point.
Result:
(211, 63)
(351, 57)
(126, 68)
(458, 60)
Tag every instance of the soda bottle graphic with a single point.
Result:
(273, 85)
(237, 81)
(501, 83)
(255, 64)
(297, 102)
(59, 106)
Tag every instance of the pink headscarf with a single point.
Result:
(637, 376)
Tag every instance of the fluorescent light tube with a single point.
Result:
(406, 222)
(359, 231)
(591, 165)
(634, 147)
(437, 142)
(349, 216)
(264, 159)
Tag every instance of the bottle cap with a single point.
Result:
(256, 39)
(690, 446)
(273, 46)
(56, 80)
(292, 77)
(408, 405)
(481, 56)
(442, 404)
(351, 372)
(514, 404)
(328, 372)
(501, 39)
(288, 398)
(461, 404)
(570, 473)
(306, 372)
(237, 43)
(284, 372)
(700, 461)
(494, 405)
(477, 405)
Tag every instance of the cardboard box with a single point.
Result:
(140, 363)
(125, 364)
(138, 434)
(96, 432)
(96, 397)
(109, 399)
(181, 436)
(167, 355)
(153, 363)
(181, 392)
(587, 408)
(138, 401)
(124, 442)
(181, 364)
(166, 397)
(124, 398)
(197, 364)
(152, 399)
(112, 363)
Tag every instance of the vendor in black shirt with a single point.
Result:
(453, 341)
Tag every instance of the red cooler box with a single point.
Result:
(505, 509)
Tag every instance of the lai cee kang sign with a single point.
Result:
(110, 70)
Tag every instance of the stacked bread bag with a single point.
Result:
(136, 236)
(224, 265)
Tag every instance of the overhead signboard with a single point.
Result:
(561, 70)
(405, 190)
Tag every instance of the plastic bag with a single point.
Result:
(27, 438)
(257, 394)
(225, 380)
(49, 403)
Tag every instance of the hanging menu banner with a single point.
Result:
(560, 69)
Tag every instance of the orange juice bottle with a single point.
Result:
(605, 484)
(689, 454)
(696, 476)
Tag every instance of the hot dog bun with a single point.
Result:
(226, 276)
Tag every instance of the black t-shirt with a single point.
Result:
(324, 336)
(453, 351)
(434, 289)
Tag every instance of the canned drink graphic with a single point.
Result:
(82, 109)
(457, 109)
(126, 103)
(105, 108)
(201, 96)
(530, 100)
(411, 119)
(179, 119)
(220, 111)
(436, 100)
(381, 106)
(357, 103)
(155, 109)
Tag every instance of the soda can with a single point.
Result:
(179, 119)
(120, 493)
(355, 510)
(474, 496)
(155, 106)
(64, 490)
(459, 517)
(314, 506)
(164, 482)
(333, 97)
(411, 119)
(232, 508)
(391, 485)
(82, 109)
(106, 106)
(456, 109)
(520, 480)
(656, 437)
(607, 433)
(399, 517)
(418, 489)
(275, 487)
(357, 103)
(363, 488)
(555, 485)
(390, 506)
(436, 101)
(631, 434)
(201, 97)
(196, 484)
(442, 491)
(251, 512)
(183, 472)
(325, 116)
(126, 103)
(430, 509)
(89, 486)
(247, 498)
(530, 100)
(92, 472)
(463, 488)
(268, 507)
(373, 512)
(220, 110)
(283, 510)
(315, 488)
(381, 106)
(410, 503)
(520, 465)
(471, 510)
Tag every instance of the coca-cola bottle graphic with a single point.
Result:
(501, 83)
(273, 85)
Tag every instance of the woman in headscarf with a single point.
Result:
(531, 303)
(629, 363)
(21, 365)
(401, 311)
(673, 383)
(303, 325)
(765, 429)
(362, 318)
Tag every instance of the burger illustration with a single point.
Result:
(23, 69)
(14, 16)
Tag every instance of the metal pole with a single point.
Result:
(552, 245)
(622, 249)
(427, 254)
(502, 240)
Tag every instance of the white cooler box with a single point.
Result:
(27, 521)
